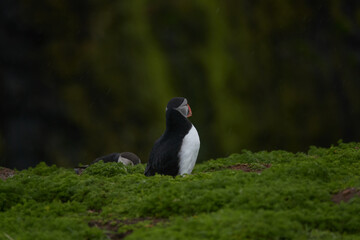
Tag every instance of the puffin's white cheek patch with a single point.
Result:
(125, 161)
(183, 110)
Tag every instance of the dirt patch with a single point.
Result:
(345, 195)
(250, 168)
(6, 173)
(112, 227)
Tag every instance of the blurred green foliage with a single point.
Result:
(258, 74)
(289, 200)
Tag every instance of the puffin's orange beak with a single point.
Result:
(190, 113)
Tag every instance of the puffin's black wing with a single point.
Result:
(164, 157)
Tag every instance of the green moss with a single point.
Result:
(289, 200)
(113, 169)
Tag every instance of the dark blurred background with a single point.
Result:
(84, 78)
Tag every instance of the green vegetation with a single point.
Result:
(292, 199)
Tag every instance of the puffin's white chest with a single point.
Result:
(189, 151)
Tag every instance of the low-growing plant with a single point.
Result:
(282, 195)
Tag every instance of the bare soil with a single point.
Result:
(6, 173)
(113, 226)
(345, 195)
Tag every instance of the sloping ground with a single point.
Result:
(264, 195)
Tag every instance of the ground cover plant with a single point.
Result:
(263, 195)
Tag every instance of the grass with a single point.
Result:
(289, 200)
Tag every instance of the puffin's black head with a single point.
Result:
(181, 105)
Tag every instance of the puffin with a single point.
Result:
(126, 158)
(176, 151)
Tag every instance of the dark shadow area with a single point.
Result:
(82, 79)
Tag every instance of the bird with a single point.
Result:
(176, 151)
(126, 158)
